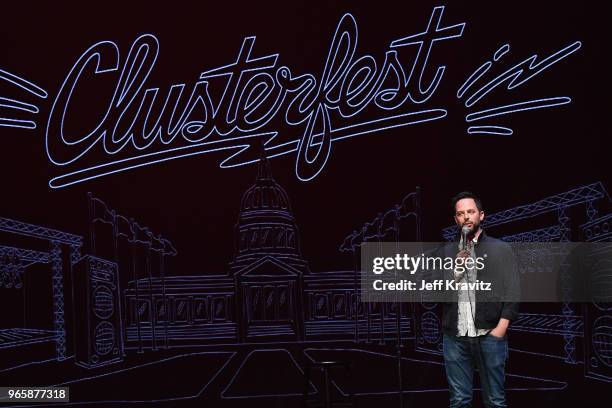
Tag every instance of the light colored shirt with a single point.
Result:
(466, 303)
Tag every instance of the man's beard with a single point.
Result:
(475, 226)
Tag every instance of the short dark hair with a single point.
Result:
(466, 194)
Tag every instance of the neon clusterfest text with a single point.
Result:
(143, 125)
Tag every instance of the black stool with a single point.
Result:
(325, 367)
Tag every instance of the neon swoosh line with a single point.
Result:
(18, 105)
(24, 84)
(117, 166)
(490, 130)
(518, 107)
(16, 123)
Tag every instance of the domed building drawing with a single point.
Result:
(268, 266)
(269, 294)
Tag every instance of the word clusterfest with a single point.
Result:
(256, 91)
(228, 108)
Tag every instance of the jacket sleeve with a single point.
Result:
(512, 285)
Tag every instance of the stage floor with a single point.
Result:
(256, 375)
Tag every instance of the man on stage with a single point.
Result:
(475, 325)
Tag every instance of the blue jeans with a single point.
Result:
(488, 354)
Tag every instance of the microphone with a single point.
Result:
(464, 237)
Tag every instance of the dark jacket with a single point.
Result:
(500, 268)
